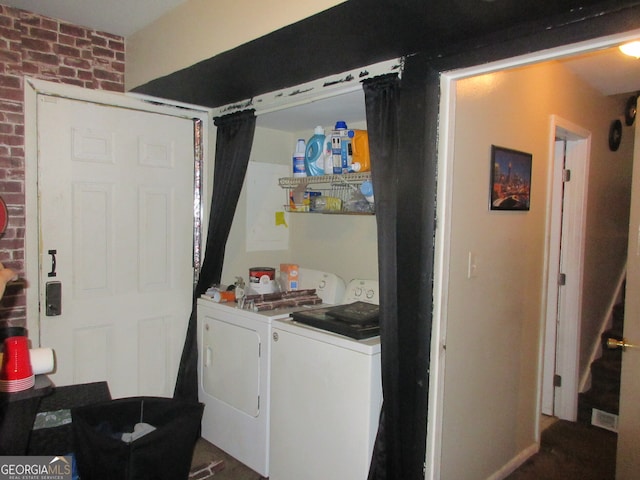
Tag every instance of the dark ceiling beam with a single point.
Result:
(451, 33)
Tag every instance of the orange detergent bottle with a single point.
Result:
(361, 161)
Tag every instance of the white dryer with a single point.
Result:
(234, 371)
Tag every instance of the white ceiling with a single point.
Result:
(119, 17)
(608, 71)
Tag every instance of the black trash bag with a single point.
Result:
(162, 454)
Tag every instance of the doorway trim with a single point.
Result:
(34, 87)
(565, 247)
(446, 127)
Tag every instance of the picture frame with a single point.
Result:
(510, 179)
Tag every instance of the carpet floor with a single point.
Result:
(571, 451)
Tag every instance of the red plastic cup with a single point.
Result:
(16, 360)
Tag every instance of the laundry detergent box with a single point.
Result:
(289, 276)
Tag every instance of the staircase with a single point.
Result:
(604, 394)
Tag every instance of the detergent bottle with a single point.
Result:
(314, 154)
(340, 148)
(328, 159)
(360, 150)
(299, 159)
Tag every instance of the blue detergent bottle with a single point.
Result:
(314, 154)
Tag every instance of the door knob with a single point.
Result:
(614, 343)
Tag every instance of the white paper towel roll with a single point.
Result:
(42, 360)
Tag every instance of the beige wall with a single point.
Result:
(495, 320)
(201, 29)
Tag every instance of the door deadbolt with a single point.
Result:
(53, 299)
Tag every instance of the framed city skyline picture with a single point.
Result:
(510, 179)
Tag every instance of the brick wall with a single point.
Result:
(40, 47)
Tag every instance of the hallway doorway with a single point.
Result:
(568, 209)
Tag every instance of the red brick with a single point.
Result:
(72, 81)
(85, 75)
(16, 45)
(103, 52)
(6, 106)
(66, 39)
(17, 152)
(67, 72)
(77, 63)
(5, 21)
(13, 198)
(11, 140)
(49, 23)
(13, 57)
(11, 94)
(111, 86)
(10, 81)
(46, 58)
(68, 51)
(117, 46)
(118, 67)
(107, 75)
(83, 43)
(43, 34)
(28, 18)
(36, 44)
(10, 33)
(16, 210)
(11, 187)
(99, 41)
(47, 73)
(73, 30)
(29, 68)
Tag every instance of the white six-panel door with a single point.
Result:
(116, 211)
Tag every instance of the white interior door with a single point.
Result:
(628, 460)
(565, 260)
(115, 190)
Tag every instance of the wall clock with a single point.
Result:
(615, 135)
(630, 110)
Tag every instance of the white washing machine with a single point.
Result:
(326, 396)
(234, 371)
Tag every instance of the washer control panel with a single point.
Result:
(361, 290)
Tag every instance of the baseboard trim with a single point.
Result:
(515, 462)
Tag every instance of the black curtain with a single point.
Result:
(233, 145)
(402, 184)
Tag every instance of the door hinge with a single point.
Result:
(557, 380)
(562, 279)
(566, 175)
